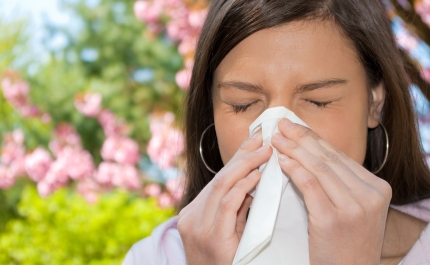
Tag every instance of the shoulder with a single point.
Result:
(163, 247)
(420, 209)
(420, 251)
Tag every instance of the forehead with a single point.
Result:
(296, 50)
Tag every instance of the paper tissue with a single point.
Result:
(276, 231)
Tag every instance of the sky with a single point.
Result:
(37, 12)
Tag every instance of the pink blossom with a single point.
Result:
(64, 135)
(46, 118)
(106, 172)
(123, 150)
(15, 92)
(165, 200)
(112, 126)
(147, 11)
(38, 163)
(57, 173)
(13, 151)
(170, 6)
(89, 189)
(167, 143)
(183, 79)
(406, 40)
(128, 178)
(79, 162)
(45, 189)
(7, 179)
(178, 28)
(124, 176)
(55, 178)
(188, 45)
(423, 9)
(176, 187)
(29, 111)
(71, 163)
(196, 19)
(18, 136)
(17, 167)
(426, 74)
(89, 104)
(153, 190)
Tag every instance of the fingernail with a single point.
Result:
(287, 124)
(262, 149)
(278, 137)
(253, 174)
(256, 134)
(282, 158)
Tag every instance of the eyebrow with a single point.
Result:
(320, 84)
(300, 88)
(242, 86)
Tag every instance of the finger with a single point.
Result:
(309, 140)
(228, 208)
(335, 189)
(362, 184)
(223, 182)
(249, 145)
(368, 177)
(316, 199)
(241, 215)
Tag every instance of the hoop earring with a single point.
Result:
(387, 145)
(201, 150)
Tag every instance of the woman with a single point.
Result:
(335, 64)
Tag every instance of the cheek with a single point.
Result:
(347, 134)
(230, 134)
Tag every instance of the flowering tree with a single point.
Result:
(93, 139)
(182, 21)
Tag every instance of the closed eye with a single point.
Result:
(244, 107)
(320, 104)
(241, 108)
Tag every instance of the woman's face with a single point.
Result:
(307, 67)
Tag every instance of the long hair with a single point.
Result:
(365, 24)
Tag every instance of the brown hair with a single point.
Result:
(366, 25)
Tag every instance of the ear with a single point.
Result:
(376, 105)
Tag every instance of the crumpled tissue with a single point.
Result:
(276, 231)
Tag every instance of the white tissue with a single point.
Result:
(276, 231)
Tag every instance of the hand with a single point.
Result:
(347, 204)
(212, 224)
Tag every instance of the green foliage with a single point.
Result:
(13, 43)
(109, 53)
(9, 200)
(105, 52)
(109, 31)
(65, 229)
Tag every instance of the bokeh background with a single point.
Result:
(91, 130)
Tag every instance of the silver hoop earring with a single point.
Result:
(387, 145)
(201, 150)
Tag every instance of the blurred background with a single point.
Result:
(91, 151)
